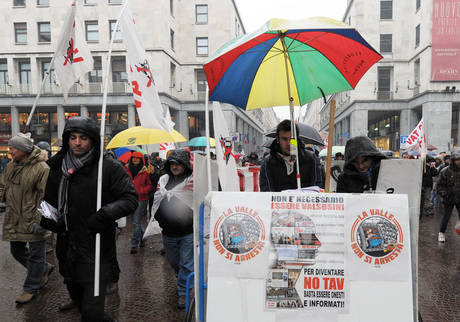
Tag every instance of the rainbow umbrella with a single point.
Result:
(289, 63)
(124, 154)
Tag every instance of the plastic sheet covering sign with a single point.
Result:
(295, 256)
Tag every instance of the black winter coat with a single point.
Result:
(273, 176)
(351, 180)
(448, 186)
(75, 248)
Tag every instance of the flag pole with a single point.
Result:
(34, 106)
(97, 257)
(208, 140)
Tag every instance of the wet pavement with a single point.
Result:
(147, 287)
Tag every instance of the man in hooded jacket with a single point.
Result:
(175, 218)
(72, 190)
(449, 190)
(278, 170)
(362, 165)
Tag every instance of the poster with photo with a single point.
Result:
(239, 244)
(378, 238)
(307, 267)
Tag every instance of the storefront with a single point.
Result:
(384, 129)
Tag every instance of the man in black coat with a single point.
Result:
(72, 189)
(278, 170)
(362, 165)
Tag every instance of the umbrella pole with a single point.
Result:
(294, 145)
(329, 145)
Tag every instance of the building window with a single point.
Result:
(118, 35)
(92, 31)
(3, 72)
(417, 4)
(172, 38)
(417, 36)
(386, 9)
(119, 74)
(24, 72)
(201, 14)
(44, 32)
(115, 1)
(386, 43)
(45, 64)
(19, 3)
(384, 82)
(172, 72)
(200, 80)
(20, 32)
(43, 3)
(202, 46)
(171, 7)
(91, 2)
(95, 76)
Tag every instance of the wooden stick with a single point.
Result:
(329, 145)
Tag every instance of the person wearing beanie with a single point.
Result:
(72, 189)
(140, 177)
(22, 186)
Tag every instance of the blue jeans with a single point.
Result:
(138, 230)
(448, 207)
(179, 253)
(33, 259)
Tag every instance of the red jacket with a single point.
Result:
(141, 183)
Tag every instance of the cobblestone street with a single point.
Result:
(147, 287)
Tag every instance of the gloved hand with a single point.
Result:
(98, 222)
(36, 229)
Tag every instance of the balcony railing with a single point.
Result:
(52, 88)
(384, 95)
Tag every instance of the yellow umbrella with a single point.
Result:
(139, 135)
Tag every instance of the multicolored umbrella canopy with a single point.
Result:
(124, 154)
(314, 56)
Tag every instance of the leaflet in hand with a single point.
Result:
(48, 211)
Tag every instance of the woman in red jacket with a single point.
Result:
(141, 181)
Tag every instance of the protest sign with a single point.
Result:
(318, 256)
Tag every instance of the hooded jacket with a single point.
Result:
(273, 175)
(75, 247)
(25, 187)
(351, 180)
(141, 181)
(449, 181)
(173, 215)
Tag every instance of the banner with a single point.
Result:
(228, 175)
(73, 57)
(308, 256)
(417, 140)
(148, 105)
(445, 51)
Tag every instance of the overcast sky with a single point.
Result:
(255, 13)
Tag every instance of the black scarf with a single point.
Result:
(70, 165)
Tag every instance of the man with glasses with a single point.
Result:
(362, 164)
(278, 171)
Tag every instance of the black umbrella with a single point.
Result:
(307, 134)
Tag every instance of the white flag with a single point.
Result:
(422, 143)
(151, 112)
(228, 174)
(73, 57)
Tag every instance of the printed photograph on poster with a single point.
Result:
(295, 280)
(238, 239)
(378, 241)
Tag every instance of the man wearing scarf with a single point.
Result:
(278, 170)
(140, 178)
(362, 165)
(22, 188)
(72, 190)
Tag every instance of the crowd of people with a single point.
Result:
(146, 184)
